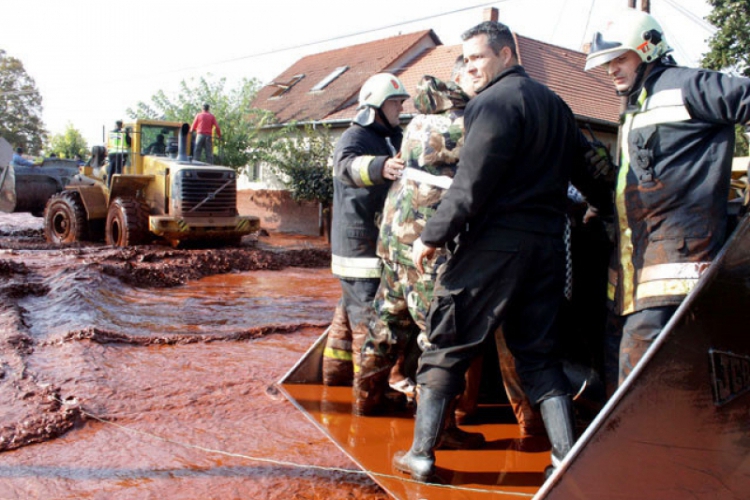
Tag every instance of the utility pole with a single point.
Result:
(645, 5)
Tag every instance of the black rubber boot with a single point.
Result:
(559, 420)
(454, 438)
(419, 461)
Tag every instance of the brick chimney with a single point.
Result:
(490, 14)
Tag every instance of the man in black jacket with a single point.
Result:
(507, 207)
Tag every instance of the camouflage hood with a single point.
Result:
(435, 96)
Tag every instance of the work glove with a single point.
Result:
(600, 164)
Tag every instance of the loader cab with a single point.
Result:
(152, 139)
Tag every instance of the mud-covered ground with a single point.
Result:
(149, 372)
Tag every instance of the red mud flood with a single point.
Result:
(150, 373)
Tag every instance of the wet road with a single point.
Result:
(171, 389)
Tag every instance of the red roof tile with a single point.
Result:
(363, 60)
(589, 94)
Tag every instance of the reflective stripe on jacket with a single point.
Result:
(116, 142)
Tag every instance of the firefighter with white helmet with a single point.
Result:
(672, 183)
(365, 163)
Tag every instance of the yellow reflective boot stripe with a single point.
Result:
(361, 167)
(342, 355)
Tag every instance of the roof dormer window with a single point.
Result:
(331, 77)
(283, 87)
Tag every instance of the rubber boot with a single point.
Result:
(419, 461)
(529, 420)
(454, 438)
(468, 403)
(369, 385)
(337, 356)
(559, 420)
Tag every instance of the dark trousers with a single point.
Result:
(204, 143)
(115, 165)
(627, 340)
(516, 281)
(357, 297)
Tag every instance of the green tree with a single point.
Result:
(729, 48)
(20, 106)
(301, 162)
(300, 159)
(241, 143)
(69, 143)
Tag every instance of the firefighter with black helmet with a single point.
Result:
(365, 163)
(672, 185)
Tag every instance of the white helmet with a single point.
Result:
(379, 88)
(631, 30)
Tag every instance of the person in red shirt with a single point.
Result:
(204, 124)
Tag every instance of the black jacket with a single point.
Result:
(673, 184)
(521, 148)
(359, 192)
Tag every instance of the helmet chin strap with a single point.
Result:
(383, 118)
(639, 74)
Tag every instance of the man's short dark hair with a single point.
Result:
(19, 150)
(498, 36)
(118, 123)
(206, 107)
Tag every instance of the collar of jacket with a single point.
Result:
(517, 69)
(658, 68)
(381, 129)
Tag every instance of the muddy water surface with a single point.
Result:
(151, 374)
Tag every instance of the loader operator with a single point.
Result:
(671, 191)
(365, 163)
(118, 145)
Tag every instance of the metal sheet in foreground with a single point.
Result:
(499, 471)
(680, 426)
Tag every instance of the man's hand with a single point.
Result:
(393, 167)
(420, 252)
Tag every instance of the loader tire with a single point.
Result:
(127, 223)
(65, 218)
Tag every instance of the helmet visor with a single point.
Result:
(603, 51)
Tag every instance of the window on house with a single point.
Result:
(331, 77)
(283, 87)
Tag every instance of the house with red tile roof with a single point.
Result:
(323, 88)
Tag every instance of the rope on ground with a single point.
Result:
(290, 464)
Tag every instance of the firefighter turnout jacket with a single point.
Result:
(358, 198)
(672, 186)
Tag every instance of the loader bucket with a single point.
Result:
(678, 426)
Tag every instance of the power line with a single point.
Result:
(697, 20)
(340, 37)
